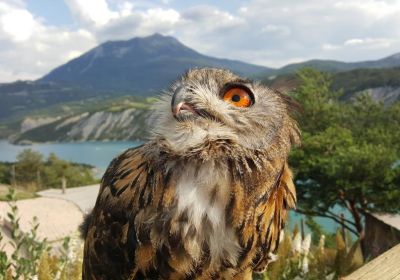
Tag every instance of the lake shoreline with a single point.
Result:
(27, 143)
(95, 153)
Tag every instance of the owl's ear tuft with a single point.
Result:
(292, 105)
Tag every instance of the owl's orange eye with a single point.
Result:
(238, 97)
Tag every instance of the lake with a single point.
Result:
(100, 154)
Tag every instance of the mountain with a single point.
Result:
(142, 65)
(125, 117)
(338, 66)
(382, 84)
(76, 97)
(137, 67)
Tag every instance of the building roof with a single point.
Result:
(392, 220)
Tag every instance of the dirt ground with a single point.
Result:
(57, 218)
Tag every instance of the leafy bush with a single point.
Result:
(33, 173)
(33, 257)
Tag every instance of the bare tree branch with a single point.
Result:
(338, 217)
(314, 213)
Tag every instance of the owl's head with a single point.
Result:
(213, 104)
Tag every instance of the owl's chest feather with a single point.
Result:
(203, 194)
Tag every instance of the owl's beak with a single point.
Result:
(178, 103)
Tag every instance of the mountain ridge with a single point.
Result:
(147, 64)
(141, 64)
(329, 65)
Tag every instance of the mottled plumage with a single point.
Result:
(207, 196)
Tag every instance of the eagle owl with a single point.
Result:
(207, 196)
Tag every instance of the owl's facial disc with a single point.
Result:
(214, 104)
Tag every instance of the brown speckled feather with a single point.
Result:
(136, 230)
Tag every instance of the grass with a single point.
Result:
(19, 194)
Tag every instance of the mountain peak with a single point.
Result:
(154, 37)
(157, 36)
(141, 64)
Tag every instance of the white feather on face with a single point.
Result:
(252, 127)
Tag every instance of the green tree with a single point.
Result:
(4, 173)
(319, 103)
(348, 154)
(55, 170)
(74, 174)
(29, 168)
(33, 173)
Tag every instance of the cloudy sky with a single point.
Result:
(38, 35)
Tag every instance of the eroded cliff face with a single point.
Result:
(129, 124)
(387, 95)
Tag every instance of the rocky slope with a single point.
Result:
(128, 124)
(387, 95)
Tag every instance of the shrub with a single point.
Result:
(35, 258)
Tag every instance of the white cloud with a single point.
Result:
(266, 32)
(376, 9)
(17, 23)
(371, 42)
(92, 11)
(351, 42)
(29, 49)
(279, 31)
(330, 47)
(168, 16)
(73, 54)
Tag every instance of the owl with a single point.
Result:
(208, 195)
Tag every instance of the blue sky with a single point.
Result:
(38, 35)
(54, 12)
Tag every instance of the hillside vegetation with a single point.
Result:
(122, 118)
(352, 83)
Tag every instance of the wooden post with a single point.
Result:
(63, 184)
(39, 184)
(343, 230)
(13, 180)
(302, 228)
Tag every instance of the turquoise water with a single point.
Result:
(327, 224)
(99, 154)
